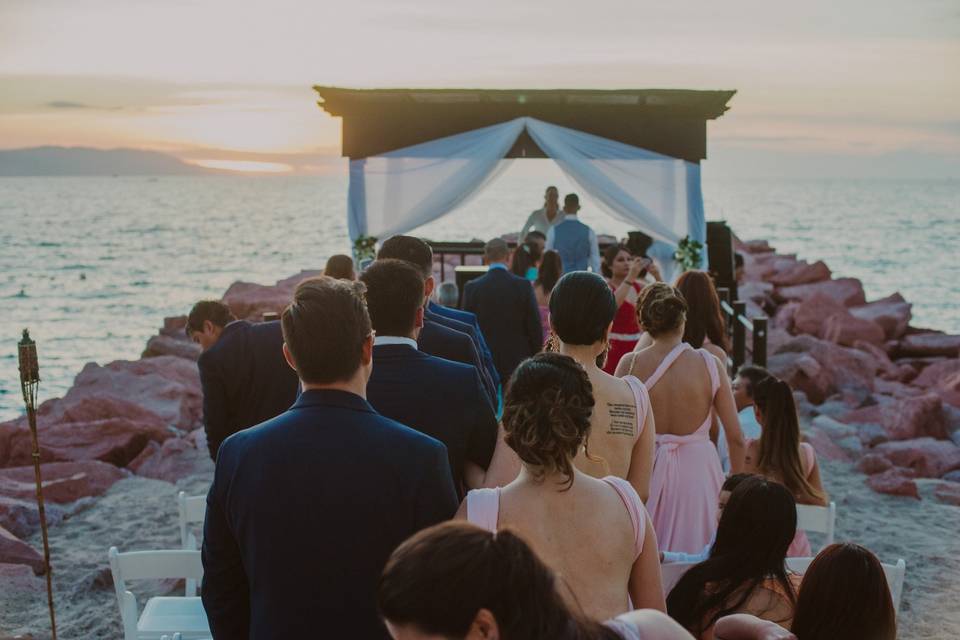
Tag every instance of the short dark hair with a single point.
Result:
(752, 374)
(409, 249)
(339, 266)
(325, 328)
(539, 235)
(394, 293)
(571, 199)
(732, 482)
(215, 311)
(582, 307)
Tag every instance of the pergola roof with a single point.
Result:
(667, 121)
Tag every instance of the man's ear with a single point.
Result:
(484, 627)
(366, 356)
(418, 321)
(208, 326)
(429, 286)
(289, 357)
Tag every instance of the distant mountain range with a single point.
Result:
(82, 161)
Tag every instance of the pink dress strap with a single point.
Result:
(483, 508)
(711, 362)
(641, 398)
(633, 503)
(665, 364)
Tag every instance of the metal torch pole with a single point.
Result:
(29, 381)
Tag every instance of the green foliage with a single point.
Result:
(689, 254)
(365, 248)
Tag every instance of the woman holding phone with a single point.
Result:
(624, 274)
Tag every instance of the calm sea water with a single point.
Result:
(92, 265)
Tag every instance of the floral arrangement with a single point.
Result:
(689, 254)
(364, 248)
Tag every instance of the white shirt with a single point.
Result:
(751, 431)
(538, 221)
(594, 261)
(379, 340)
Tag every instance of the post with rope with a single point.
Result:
(29, 383)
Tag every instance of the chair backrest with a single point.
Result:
(818, 519)
(895, 573)
(145, 565)
(191, 509)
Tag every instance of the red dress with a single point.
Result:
(624, 333)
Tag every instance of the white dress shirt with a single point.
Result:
(379, 340)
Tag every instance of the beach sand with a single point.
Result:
(139, 513)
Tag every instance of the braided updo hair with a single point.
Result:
(546, 413)
(661, 309)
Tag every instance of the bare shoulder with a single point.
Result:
(716, 352)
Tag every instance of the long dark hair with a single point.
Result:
(440, 578)
(704, 319)
(551, 268)
(779, 455)
(609, 255)
(844, 594)
(523, 258)
(756, 529)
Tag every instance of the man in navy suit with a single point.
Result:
(306, 508)
(432, 339)
(243, 375)
(506, 310)
(440, 398)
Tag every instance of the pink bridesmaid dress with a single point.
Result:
(686, 478)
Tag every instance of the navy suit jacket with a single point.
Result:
(469, 319)
(486, 366)
(245, 379)
(440, 398)
(506, 309)
(449, 344)
(304, 511)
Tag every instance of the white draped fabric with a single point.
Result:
(401, 190)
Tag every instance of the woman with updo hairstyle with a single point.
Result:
(593, 533)
(686, 386)
(582, 308)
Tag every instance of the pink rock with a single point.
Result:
(846, 291)
(905, 418)
(784, 316)
(930, 344)
(176, 459)
(840, 368)
(892, 313)
(886, 368)
(892, 482)
(936, 372)
(843, 328)
(873, 463)
(927, 457)
(810, 313)
(824, 445)
(15, 551)
(161, 345)
(756, 246)
(803, 373)
(949, 389)
(948, 493)
(63, 482)
(248, 300)
(174, 327)
(21, 516)
(802, 273)
(290, 284)
(895, 389)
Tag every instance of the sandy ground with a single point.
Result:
(139, 513)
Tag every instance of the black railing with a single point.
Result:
(738, 324)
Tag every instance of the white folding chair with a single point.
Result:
(895, 573)
(818, 520)
(191, 509)
(161, 615)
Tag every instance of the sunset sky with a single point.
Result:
(822, 83)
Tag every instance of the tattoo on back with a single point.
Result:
(623, 419)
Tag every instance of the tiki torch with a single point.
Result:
(29, 383)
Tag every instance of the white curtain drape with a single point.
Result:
(401, 190)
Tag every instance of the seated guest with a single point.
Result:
(844, 594)
(340, 267)
(438, 397)
(729, 485)
(746, 571)
(575, 241)
(779, 455)
(436, 337)
(593, 532)
(622, 429)
(447, 294)
(243, 375)
(748, 376)
(305, 508)
(506, 310)
(547, 275)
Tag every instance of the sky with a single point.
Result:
(867, 87)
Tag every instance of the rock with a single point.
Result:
(248, 300)
(175, 327)
(824, 445)
(935, 372)
(755, 246)
(949, 389)
(885, 366)
(873, 463)
(810, 313)
(63, 482)
(846, 291)
(161, 345)
(840, 369)
(904, 419)
(843, 328)
(929, 344)
(802, 273)
(895, 389)
(892, 482)
(290, 284)
(175, 459)
(784, 316)
(851, 445)
(927, 457)
(803, 373)
(948, 493)
(953, 476)
(835, 429)
(892, 313)
(21, 516)
(15, 551)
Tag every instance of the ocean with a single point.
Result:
(93, 265)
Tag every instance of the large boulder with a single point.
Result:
(840, 369)
(63, 482)
(885, 366)
(873, 463)
(904, 419)
(802, 273)
(929, 344)
(894, 482)
(948, 493)
(290, 284)
(935, 373)
(811, 312)
(843, 328)
(783, 317)
(21, 516)
(176, 459)
(803, 372)
(161, 345)
(928, 458)
(248, 300)
(846, 291)
(824, 445)
(16, 551)
(892, 313)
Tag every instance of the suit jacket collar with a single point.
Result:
(394, 351)
(332, 398)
